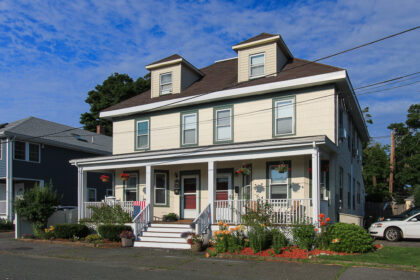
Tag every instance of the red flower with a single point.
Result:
(321, 215)
(328, 219)
(316, 229)
(323, 223)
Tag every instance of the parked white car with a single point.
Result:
(395, 230)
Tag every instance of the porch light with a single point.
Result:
(177, 189)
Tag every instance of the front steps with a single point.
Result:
(168, 236)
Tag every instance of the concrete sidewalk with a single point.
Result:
(24, 260)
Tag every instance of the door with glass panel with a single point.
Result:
(224, 197)
(189, 197)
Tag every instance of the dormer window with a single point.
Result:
(166, 83)
(257, 65)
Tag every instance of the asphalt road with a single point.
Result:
(24, 260)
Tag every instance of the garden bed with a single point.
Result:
(61, 241)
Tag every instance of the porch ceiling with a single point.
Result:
(228, 152)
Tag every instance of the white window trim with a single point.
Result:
(195, 128)
(293, 116)
(137, 135)
(250, 66)
(27, 152)
(164, 84)
(90, 189)
(164, 188)
(277, 184)
(230, 125)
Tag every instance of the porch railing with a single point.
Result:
(203, 221)
(127, 206)
(284, 211)
(3, 206)
(142, 220)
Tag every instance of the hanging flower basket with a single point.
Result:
(243, 170)
(281, 168)
(124, 176)
(104, 178)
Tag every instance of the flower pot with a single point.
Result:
(197, 247)
(126, 242)
(105, 180)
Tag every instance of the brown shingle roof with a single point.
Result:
(257, 38)
(223, 75)
(169, 58)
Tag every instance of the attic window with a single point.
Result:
(257, 65)
(165, 83)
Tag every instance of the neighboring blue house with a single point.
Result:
(35, 151)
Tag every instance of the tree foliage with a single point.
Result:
(115, 89)
(376, 172)
(407, 152)
(37, 205)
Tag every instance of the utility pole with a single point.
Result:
(392, 164)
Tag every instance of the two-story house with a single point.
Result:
(36, 152)
(210, 142)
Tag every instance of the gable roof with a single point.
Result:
(223, 75)
(37, 130)
(261, 36)
(166, 59)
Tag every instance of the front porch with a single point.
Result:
(208, 186)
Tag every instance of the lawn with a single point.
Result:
(403, 256)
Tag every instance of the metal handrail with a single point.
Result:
(141, 220)
(203, 221)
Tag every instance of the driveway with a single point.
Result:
(25, 260)
(404, 243)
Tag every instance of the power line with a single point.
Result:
(309, 62)
(386, 89)
(387, 81)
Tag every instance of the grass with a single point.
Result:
(401, 256)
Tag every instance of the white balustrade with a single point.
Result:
(127, 206)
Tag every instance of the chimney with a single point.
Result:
(99, 129)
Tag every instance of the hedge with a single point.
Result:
(349, 238)
(67, 231)
(112, 232)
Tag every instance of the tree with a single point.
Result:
(407, 151)
(37, 205)
(116, 88)
(376, 172)
(416, 194)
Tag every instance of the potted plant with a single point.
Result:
(243, 170)
(281, 168)
(124, 176)
(196, 241)
(127, 238)
(104, 178)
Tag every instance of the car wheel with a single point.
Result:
(393, 234)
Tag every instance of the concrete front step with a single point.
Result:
(162, 239)
(161, 234)
(170, 225)
(166, 245)
(168, 229)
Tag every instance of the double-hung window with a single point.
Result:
(27, 151)
(189, 126)
(279, 183)
(130, 190)
(165, 83)
(91, 194)
(161, 183)
(223, 124)
(142, 134)
(284, 116)
(257, 65)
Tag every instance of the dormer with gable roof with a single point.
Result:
(172, 75)
(261, 56)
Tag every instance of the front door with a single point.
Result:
(189, 197)
(224, 197)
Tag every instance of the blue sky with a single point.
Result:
(53, 52)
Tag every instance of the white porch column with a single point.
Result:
(211, 185)
(315, 185)
(81, 192)
(149, 189)
(9, 179)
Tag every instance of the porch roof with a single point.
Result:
(225, 152)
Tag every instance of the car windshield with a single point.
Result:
(410, 212)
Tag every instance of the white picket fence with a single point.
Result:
(284, 211)
(127, 206)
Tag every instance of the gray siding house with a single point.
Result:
(35, 152)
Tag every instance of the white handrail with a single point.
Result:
(141, 220)
(203, 221)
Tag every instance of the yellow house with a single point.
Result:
(206, 144)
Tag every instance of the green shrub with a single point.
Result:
(260, 239)
(171, 217)
(112, 232)
(304, 236)
(109, 215)
(350, 238)
(279, 241)
(6, 225)
(93, 238)
(67, 231)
